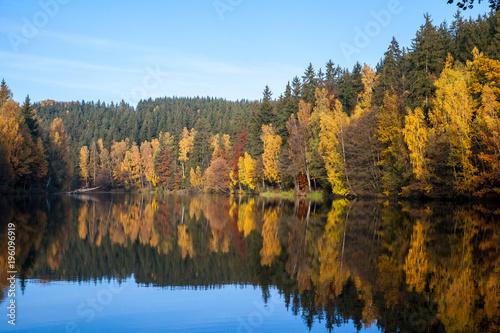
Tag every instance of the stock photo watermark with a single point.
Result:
(88, 309)
(31, 26)
(224, 6)
(364, 36)
(11, 273)
(152, 79)
(251, 322)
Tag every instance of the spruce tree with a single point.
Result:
(331, 77)
(29, 116)
(390, 73)
(264, 115)
(309, 84)
(428, 57)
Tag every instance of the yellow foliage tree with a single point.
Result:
(12, 139)
(93, 162)
(451, 118)
(117, 156)
(483, 72)
(246, 172)
(195, 177)
(416, 136)
(148, 161)
(185, 146)
(137, 167)
(84, 164)
(272, 146)
(369, 80)
(331, 147)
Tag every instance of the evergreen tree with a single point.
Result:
(201, 153)
(309, 84)
(331, 77)
(428, 57)
(5, 93)
(263, 116)
(390, 75)
(29, 116)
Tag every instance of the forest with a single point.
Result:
(424, 122)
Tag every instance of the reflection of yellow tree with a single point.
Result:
(490, 286)
(298, 260)
(271, 245)
(369, 310)
(416, 264)
(455, 287)
(246, 221)
(147, 232)
(332, 272)
(195, 208)
(82, 222)
(185, 241)
(491, 292)
(163, 226)
(389, 279)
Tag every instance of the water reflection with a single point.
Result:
(400, 267)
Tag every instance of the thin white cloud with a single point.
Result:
(96, 43)
(40, 63)
(61, 83)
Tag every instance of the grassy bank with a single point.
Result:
(279, 195)
(316, 196)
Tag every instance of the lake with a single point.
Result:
(183, 263)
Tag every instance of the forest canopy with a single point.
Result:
(424, 121)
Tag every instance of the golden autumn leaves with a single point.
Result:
(462, 130)
(30, 156)
(449, 146)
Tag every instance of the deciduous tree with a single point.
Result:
(84, 164)
(272, 147)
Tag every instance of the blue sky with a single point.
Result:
(113, 50)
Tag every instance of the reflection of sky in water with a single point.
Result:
(55, 306)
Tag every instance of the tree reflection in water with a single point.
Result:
(399, 266)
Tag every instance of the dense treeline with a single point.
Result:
(425, 121)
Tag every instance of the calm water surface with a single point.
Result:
(171, 263)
